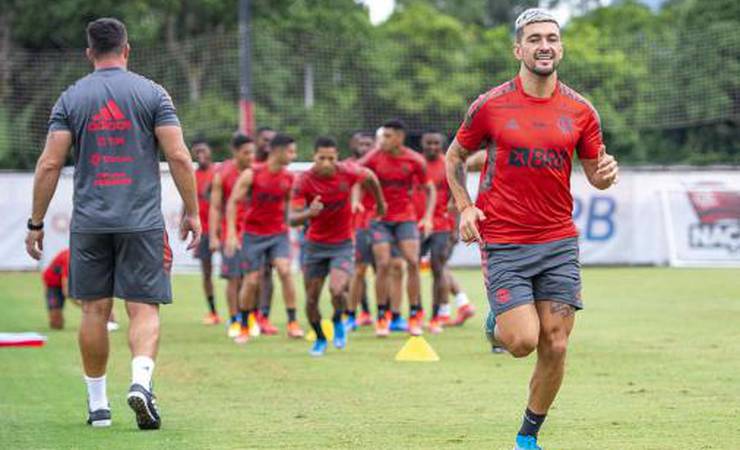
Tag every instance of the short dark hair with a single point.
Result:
(324, 142)
(106, 35)
(363, 133)
(239, 139)
(264, 128)
(395, 124)
(281, 141)
(200, 140)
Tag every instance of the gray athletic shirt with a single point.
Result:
(112, 114)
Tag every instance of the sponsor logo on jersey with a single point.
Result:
(539, 158)
(109, 118)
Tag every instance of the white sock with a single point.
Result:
(461, 299)
(142, 368)
(444, 309)
(97, 395)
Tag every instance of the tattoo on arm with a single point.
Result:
(455, 162)
(562, 309)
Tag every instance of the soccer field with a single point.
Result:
(654, 363)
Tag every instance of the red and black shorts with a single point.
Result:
(132, 266)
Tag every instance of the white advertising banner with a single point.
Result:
(649, 218)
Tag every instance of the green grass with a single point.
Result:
(654, 364)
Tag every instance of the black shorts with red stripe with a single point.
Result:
(132, 266)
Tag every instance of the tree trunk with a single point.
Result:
(193, 70)
(5, 49)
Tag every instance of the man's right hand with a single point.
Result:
(214, 243)
(190, 224)
(315, 207)
(232, 244)
(469, 218)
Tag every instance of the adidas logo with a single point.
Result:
(109, 118)
(512, 124)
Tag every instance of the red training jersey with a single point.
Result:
(361, 220)
(266, 213)
(398, 175)
(57, 270)
(525, 183)
(203, 181)
(334, 223)
(229, 171)
(442, 220)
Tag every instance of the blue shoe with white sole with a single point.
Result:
(526, 443)
(340, 335)
(319, 348)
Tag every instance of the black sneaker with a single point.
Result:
(99, 418)
(144, 405)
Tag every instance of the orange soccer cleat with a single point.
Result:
(243, 336)
(266, 327)
(415, 324)
(364, 319)
(435, 326)
(294, 330)
(382, 327)
(211, 319)
(464, 313)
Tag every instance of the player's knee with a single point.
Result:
(438, 268)
(554, 344)
(522, 345)
(383, 267)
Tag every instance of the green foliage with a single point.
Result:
(665, 84)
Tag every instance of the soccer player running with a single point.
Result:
(268, 189)
(327, 190)
(118, 244)
(399, 170)
(264, 292)
(360, 144)
(242, 149)
(440, 242)
(522, 217)
(203, 181)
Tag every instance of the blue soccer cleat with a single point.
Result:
(350, 324)
(490, 328)
(340, 335)
(496, 346)
(319, 348)
(526, 443)
(399, 324)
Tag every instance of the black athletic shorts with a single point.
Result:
(132, 266)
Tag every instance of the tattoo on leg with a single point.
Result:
(563, 309)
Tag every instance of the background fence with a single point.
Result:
(661, 101)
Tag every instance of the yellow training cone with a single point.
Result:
(326, 326)
(417, 349)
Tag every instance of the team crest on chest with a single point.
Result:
(565, 124)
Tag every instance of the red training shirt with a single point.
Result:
(203, 181)
(334, 223)
(442, 220)
(229, 171)
(269, 192)
(525, 183)
(57, 270)
(398, 174)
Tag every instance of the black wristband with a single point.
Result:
(33, 227)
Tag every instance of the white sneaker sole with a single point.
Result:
(101, 423)
(137, 402)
